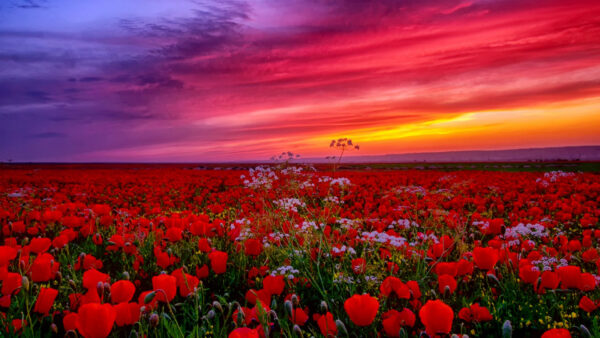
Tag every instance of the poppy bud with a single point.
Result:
(58, 276)
(217, 306)
(125, 275)
(341, 327)
(133, 334)
(506, 329)
(54, 328)
(289, 307)
(324, 307)
(154, 320)
(297, 330)
(295, 300)
(100, 288)
(211, 314)
(149, 297)
(25, 283)
(72, 284)
(273, 303)
(584, 331)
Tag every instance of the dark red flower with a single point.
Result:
(446, 282)
(244, 332)
(168, 285)
(437, 317)
(127, 313)
(274, 285)
(327, 325)
(218, 261)
(361, 309)
(45, 300)
(394, 320)
(393, 284)
(121, 291)
(95, 320)
(485, 258)
(253, 247)
(557, 333)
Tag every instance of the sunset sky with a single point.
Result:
(182, 80)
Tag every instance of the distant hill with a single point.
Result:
(578, 153)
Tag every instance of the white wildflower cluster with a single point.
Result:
(533, 230)
(332, 199)
(412, 189)
(344, 249)
(483, 225)
(290, 204)
(306, 184)
(550, 263)
(346, 223)
(292, 170)
(382, 237)
(372, 279)
(273, 237)
(553, 176)
(323, 179)
(306, 226)
(342, 182)
(287, 270)
(403, 223)
(260, 177)
(245, 231)
(343, 279)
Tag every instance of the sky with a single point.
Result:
(228, 80)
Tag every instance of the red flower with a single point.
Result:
(92, 277)
(587, 305)
(299, 317)
(444, 268)
(204, 245)
(361, 309)
(253, 247)
(45, 300)
(587, 282)
(393, 284)
(95, 320)
(394, 320)
(327, 325)
(44, 268)
(7, 254)
(437, 317)
(174, 234)
(529, 274)
(274, 285)
(70, 321)
(40, 245)
(218, 261)
(550, 280)
(570, 276)
(243, 332)
(485, 258)
(359, 265)
(11, 282)
(446, 282)
(168, 285)
(557, 333)
(127, 313)
(122, 291)
(475, 313)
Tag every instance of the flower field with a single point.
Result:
(290, 251)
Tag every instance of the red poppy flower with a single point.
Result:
(446, 268)
(550, 280)
(40, 245)
(327, 325)
(274, 285)
(485, 258)
(45, 300)
(11, 282)
(446, 282)
(95, 320)
(394, 320)
(127, 313)
(393, 284)
(437, 317)
(361, 309)
(557, 333)
(359, 265)
(243, 332)
(121, 291)
(174, 234)
(204, 245)
(7, 254)
(299, 316)
(168, 285)
(570, 276)
(92, 277)
(587, 282)
(218, 261)
(253, 247)
(475, 313)
(587, 305)
(529, 274)
(44, 268)
(70, 321)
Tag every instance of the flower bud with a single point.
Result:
(324, 307)
(217, 306)
(341, 327)
(154, 318)
(507, 329)
(149, 297)
(25, 283)
(289, 307)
